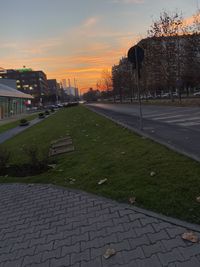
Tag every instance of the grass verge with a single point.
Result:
(105, 150)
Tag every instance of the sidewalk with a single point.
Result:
(16, 118)
(14, 131)
(45, 225)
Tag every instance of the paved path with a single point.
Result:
(16, 118)
(14, 131)
(176, 127)
(44, 225)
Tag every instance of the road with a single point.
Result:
(176, 127)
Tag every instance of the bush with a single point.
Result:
(47, 112)
(41, 115)
(34, 158)
(23, 122)
(52, 110)
(4, 158)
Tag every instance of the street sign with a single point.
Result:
(136, 55)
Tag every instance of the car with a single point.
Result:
(175, 94)
(196, 94)
(166, 95)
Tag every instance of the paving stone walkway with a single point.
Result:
(45, 225)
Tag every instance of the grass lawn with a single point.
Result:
(105, 150)
(10, 125)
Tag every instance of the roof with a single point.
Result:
(11, 92)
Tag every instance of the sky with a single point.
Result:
(78, 39)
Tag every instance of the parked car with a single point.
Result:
(175, 94)
(166, 95)
(196, 94)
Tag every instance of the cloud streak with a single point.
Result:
(128, 1)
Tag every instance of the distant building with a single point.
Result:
(28, 81)
(12, 101)
(72, 91)
(64, 83)
(54, 88)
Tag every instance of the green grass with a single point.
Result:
(10, 125)
(105, 150)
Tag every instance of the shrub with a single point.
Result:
(41, 115)
(23, 122)
(47, 112)
(4, 158)
(34, 158)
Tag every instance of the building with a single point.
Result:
(28, 81)
(72, 91)
(10, 83)
(171, 65)
(12, 101)
(54, 88)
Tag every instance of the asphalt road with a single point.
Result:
(176, 127)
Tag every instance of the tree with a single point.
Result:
(91, 95)
(107, 79)
(167, 29)
(167, 25)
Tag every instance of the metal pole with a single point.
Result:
(131, 84)
(138, 88)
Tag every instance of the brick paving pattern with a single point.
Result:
(44, 225)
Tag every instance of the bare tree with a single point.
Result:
(167, 30)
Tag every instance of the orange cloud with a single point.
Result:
(81, 52)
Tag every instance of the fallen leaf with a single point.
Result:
(109, 253)
(53, 166)
(198, 199)
(190, 236)
(102, 181)
(152, 174)
(132, 200)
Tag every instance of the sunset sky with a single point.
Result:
(76, 38)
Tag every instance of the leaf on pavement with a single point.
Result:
(132, 200)
(190, 236)
(109, 253)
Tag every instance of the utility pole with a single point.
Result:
(136, 56)
(138, 86)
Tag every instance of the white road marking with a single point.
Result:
(185, 119)
(189, 123)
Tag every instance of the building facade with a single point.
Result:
(28, 81)
(12, 101)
